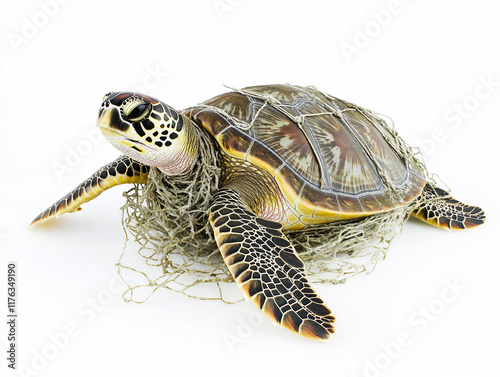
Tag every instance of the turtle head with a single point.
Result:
(149, 131)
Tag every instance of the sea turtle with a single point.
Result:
(290, 157)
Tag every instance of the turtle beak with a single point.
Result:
(118, 132)
(111, 135)
(111, 124)
(110, 118)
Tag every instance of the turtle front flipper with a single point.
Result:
(121, 170)
(267, 268)
(440, 209)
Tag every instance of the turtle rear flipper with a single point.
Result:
(267, 268)
(438, 208)
(121, 170)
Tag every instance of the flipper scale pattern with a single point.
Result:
(267, 268)
(122, 170)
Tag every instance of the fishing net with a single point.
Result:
(167, 218)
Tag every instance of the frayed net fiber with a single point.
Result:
(168, 218)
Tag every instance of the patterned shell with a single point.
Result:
(330, 158)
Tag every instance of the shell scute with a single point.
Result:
(233, 104)
(278, 93)
(306, 201)
(381, 150)
(259, 155)
(235, 142)
(282, 135)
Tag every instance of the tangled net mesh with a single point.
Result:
(168, 219)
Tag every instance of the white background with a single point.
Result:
(416, 66)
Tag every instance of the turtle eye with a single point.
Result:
(136, 111)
